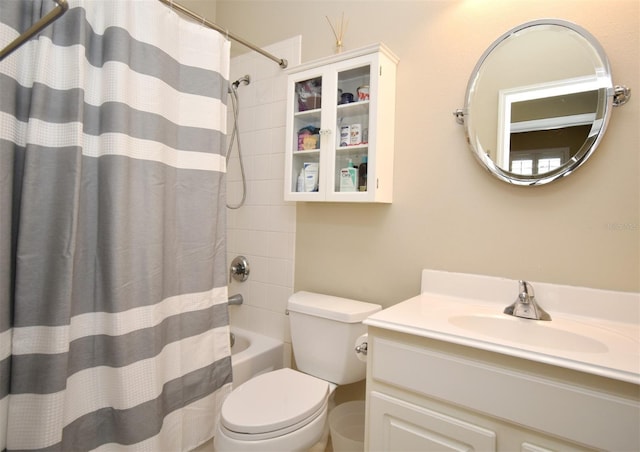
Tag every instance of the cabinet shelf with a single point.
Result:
(359, 107)
(307, 152)
(308, 113)
(370, 70)
(355, 147)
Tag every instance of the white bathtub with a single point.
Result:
(254, 354)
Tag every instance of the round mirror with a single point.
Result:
(538, 102)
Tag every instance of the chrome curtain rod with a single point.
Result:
(61, 7)
(281, 62)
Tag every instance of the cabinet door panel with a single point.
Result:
(541, 404)
(528, 447)
(398, 425)
(305, 120)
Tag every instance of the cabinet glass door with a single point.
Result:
(352, 130)
(305, 142)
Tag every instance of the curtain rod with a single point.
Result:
(61, 7)
(281, 62)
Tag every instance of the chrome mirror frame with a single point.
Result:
(615, 96)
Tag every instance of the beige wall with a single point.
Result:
(204, 8)
(447, 212)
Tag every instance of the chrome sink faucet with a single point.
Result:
(525, 305)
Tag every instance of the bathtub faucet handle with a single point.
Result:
(239, 269)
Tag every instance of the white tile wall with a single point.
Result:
(263, 229)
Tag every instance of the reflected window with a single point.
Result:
(546, 165)
(523, 167)
(539, 161)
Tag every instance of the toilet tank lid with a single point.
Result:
(330, 307)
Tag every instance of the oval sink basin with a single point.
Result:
(530, 332)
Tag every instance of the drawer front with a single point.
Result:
(584, 416)
(398, 425)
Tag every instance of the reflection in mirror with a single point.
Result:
(543, 129)
(538, 102)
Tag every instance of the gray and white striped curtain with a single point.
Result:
(113, 318)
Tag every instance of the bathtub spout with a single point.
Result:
(235, 299)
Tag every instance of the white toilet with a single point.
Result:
(286, 410)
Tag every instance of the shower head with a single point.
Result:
(245, 80)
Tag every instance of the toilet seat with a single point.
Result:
(273, 404)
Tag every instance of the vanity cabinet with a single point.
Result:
(341, 114)
(426, 394)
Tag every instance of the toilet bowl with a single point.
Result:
(283, 410)
(286, 409)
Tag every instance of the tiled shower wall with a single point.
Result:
(264, 229)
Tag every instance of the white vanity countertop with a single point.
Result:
(601, 343)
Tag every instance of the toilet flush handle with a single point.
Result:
(362, 348)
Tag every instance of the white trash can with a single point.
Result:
(346, 422)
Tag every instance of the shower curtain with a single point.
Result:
(113, 302)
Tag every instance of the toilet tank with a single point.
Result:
(324, 330)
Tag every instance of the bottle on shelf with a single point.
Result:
(300, 186)
(362, 174)
(349, 178)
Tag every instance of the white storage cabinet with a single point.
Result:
(317, 109)
(428, 395)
